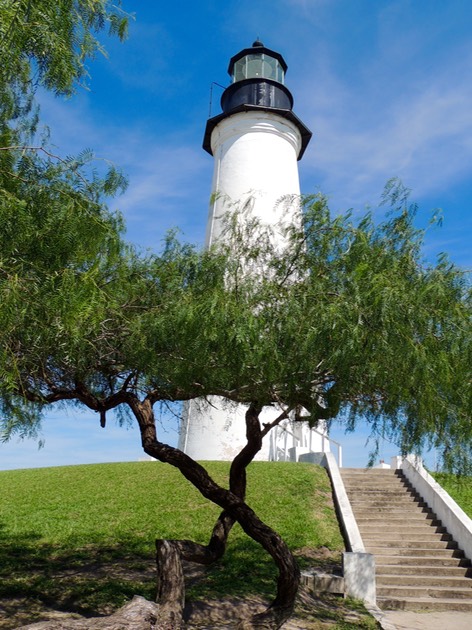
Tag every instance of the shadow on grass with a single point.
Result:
(96, 578)
(92, 579)
(246, 569)
(334, 612)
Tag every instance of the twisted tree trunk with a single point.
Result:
(170, 553)
(171, 588)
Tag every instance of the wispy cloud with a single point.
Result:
(169, 187)
(364, 134)
(169, 176)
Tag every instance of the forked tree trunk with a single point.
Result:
(170, 580)
(235, 509)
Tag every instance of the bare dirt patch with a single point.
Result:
(311, 613)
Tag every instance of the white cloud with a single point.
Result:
(169, 176)
(169, 187)
(365, 135)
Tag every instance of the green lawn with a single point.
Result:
(460, 489)
(81, 538)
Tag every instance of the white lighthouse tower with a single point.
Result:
(256, 142)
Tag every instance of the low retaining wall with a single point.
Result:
(358, 566)
(454, 519)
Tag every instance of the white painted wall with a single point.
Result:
(454, 519)
(216, 430)
(255, 168)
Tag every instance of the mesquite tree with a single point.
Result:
(349, 320)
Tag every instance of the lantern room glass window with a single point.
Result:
(258, 66)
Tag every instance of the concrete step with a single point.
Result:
(418, 529)
(412, 524)
(396, 511)
(453, 554)
(398, 519)
(368, 475)
(407, 544)
(396, 502)
(371, 489)
(348, 475)
(389, 556)
(424, 603)
(370, 471)
(377, 485)
(425, 580)
(374, 485)
(425, 591)
(440, 572)
(384, 497)
(379, 499)
(392, 535)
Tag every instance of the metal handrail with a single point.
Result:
(277, 453)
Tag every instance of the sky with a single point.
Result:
(384, 85)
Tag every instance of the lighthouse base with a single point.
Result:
(215, 429)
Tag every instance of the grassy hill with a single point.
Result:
(81, 538)
(460, 489)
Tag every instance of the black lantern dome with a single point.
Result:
(257, 82)
(257, 78)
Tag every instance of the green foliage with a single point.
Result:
(57, 235)
(459, 487)
(390, 332)
(60, 522)
(350, 320)
(48, 43)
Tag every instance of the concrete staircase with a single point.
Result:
(418, 565)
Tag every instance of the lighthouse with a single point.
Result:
(256, 143)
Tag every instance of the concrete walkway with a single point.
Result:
(406, 620)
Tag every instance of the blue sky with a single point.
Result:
(385, 86)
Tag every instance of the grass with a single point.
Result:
(460, 489)
(81, 538)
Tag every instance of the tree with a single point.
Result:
(51, 210)
(350, 320)
(49, 43)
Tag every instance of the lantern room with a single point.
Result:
(257, 84)
(257, 62)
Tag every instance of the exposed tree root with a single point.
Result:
(138, 614)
